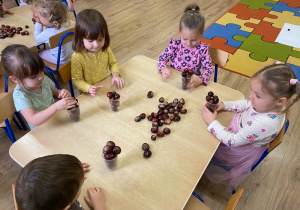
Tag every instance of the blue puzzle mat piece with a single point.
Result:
(279, 7)
(296, 69)
(226, 32)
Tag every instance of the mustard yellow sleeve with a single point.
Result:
(112, 61)
(77, 68)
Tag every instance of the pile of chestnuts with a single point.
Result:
(110, 150)
(212, 101)
(10, 31)
(114, 100)
(187, 73)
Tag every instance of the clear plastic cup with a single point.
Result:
(115, 103)
(186, 82)
(211, 107)
(74, 113)
(111, 164)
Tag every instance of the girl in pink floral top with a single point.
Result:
(188, 52)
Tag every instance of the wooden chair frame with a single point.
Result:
(219, 58)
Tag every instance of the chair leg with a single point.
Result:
(5, 84)
(17, 2)
(71, 88)
(9, 131)
(216, 73)
(286, 125)
(17, 124)
(197, 196)
(53, 78)
(21, 121)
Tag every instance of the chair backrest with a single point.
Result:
(279, 137)
(218, 56)
(7, 107)
(14, 195)
(195, 204)
(65, 72)
(54, 40)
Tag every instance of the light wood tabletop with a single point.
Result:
(163, 181)
(22, 16)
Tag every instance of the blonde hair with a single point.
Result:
(53, 10)
(192, 19)
(275, 79)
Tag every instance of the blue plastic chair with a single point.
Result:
(57, 41)
(219, 58)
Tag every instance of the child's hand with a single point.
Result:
(208, 116)
(117, 79)
(86, 167)
(95, 198)
(65, 103)
(166, 73)
(94, 89)
(220, 106)
(64, 93)
(195, 82)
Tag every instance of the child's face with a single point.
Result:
(189, 38)
(30, 83)
(261, 100)
(94, 45)
(40, 19)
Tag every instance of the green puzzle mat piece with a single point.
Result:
(257, 4)
(261, 50)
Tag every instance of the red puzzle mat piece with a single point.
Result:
(291, 3)
(219, 43)
(266, 30)
(244, 13)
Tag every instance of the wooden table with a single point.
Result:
(22, 16)
(165, 180)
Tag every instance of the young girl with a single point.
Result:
(34, 93)
(92, 56)
(258, 121)
(188, 52)
(53, 16)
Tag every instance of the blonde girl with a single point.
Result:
(188, 52)
(34, 94)
(258, 121)
(93, 59)
(51, 19)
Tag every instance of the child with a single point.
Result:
(4, 10)
(34, 93)
(54, 182)
(258, 121)
(52, 15)
(188, 52)
(92, 56)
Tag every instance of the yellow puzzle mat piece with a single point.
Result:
(250, 66)
(282, 19)
(231, 18)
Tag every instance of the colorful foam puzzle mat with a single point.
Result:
(248, 32)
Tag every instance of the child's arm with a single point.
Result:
(39, 118)
(117, 79)
(40, 35)
(95, 198)
(61, 93)
(164, 58)
(6, 11)
(206, 66)
(70, 6)
(114, 67)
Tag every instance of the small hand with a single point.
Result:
(118, 80)
(220, 106)
(208, 116)
(95, 198)
(166, 73)
(65, 103)
(86, 167)
(195, 82)
(7, 11)
(94, 89)
(64, 94)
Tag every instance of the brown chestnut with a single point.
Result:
(117, 96)
(183, 111)
(167, 121)
(111, 143)
(109, 94)
(161, 99)
(26, 26)
(207, 98)
(154, 129)
(210, 93)
(137, 119)
(147, 153)
(145, 146)
(143, 115)
(107, 149)
(182, 101)
(149, 117)
(155, 124)
(150, 94)
(177, 118)
(167, 131)
(160, 134)
(109, 156)
(117, 150)
(153, 137)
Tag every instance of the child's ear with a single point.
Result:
(282, 101)
(14, 79)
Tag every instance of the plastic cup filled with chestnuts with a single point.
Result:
(74, 113)
(114, 100)
(186, 78)
(110, 155)
(212, 101)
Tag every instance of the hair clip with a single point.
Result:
(277, 62)
(293, 81)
